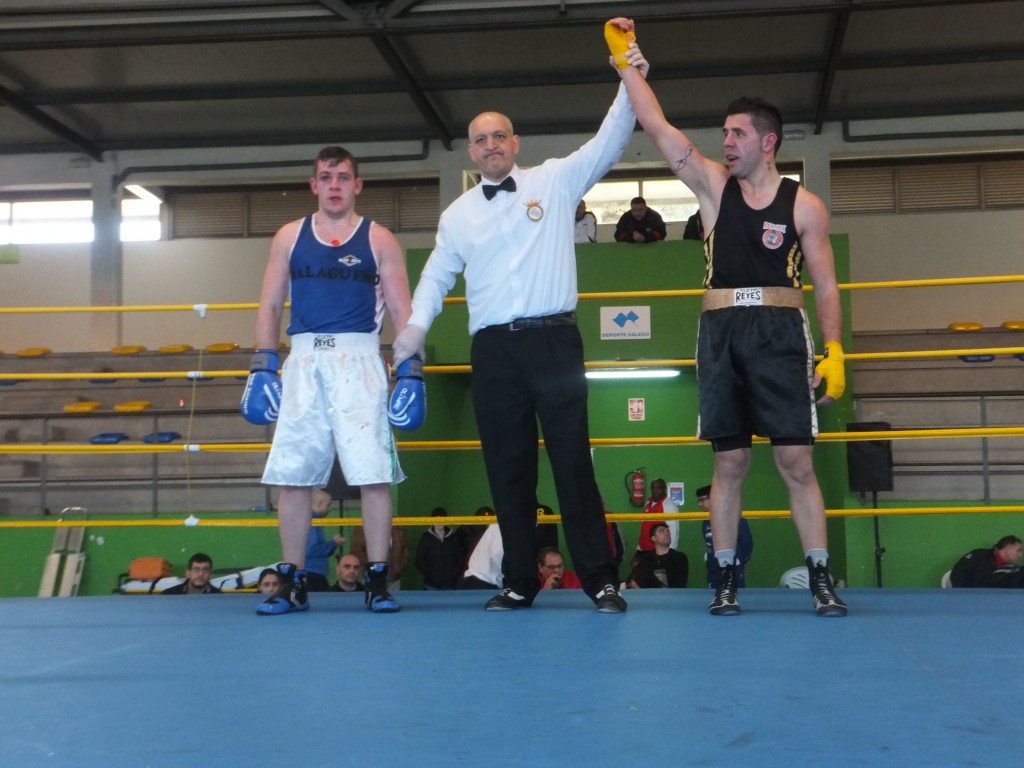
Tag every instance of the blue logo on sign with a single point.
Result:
(621, 319)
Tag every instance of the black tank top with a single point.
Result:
(748, 247)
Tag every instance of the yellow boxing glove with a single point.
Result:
(618, 43)
(832, 371)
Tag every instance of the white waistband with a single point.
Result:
(309, 343)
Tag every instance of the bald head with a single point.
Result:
(492, 145)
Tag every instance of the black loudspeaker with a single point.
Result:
(339, 489)
(869, 462)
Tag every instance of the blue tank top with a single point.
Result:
(335, 288)
(750, 247)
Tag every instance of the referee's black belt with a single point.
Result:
(547, 321)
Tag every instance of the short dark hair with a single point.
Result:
(765, 117)
(484, 510)
(704, 490)
(1007, 541)
(656, 526)
(439, 512)
(638, 199)
(267, 572)
(543, 552)
(332, 156)
(200, 557)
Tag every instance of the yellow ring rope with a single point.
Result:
(422, 445)
(622, 517)
(926, 283)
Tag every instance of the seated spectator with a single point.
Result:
(552, 572)
(197, 578)
(547, 533)
(694, 229)
(640, 224)
(318, 548)
(586, 224)
(642, 577)
(439, 555)
(398, 554)
(483, 570)
(616, 543)
(269, 581)
(348, 571)
(469, 535)
(670, 567)
(658, 503)
(997, 566)
(744, 543)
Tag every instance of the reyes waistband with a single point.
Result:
(770, 296)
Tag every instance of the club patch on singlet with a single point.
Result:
(350, 260)
(747, 297)
(773, 235)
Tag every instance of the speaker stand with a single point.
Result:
(879, 549)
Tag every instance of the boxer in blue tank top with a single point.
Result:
(754, 355)
(343, 272)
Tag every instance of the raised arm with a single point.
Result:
(696, 171)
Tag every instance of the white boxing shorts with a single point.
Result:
(334, 399)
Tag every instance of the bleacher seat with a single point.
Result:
(133, 406)
(174, 349)
(108, 438)
(223, 346)
(128, 349)
(85, 406)
(34, 352)
(161, 437)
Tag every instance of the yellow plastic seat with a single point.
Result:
(224, 346)
(128, 349)
(965, 326)
(174, 349)
(1009, 325)
(86, 406)
(34, 352)
(133, 406)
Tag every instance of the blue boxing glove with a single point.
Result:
(408, 405)
(262, 396)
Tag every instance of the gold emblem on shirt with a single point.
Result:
(534, 211)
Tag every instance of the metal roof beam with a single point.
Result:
(29, 111)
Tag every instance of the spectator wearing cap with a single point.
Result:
(744, 543)
(439, 555)
(669, 567)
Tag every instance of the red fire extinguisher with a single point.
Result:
(636, 481)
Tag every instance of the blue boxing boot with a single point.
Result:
(378, 599)
(290, 596)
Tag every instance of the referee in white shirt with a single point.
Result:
(513, 236)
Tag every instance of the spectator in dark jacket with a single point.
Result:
(439, 555)
(998, 566)
(640, 224)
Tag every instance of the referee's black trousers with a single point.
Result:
(519, 377)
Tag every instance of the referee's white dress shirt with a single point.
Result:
(517, 250)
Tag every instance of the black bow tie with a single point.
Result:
(508, 185)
